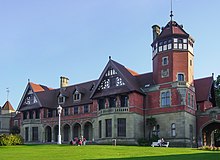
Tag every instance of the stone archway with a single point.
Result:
(48, 134)
(211, 134)
(66, 133)
(88, 132)
(76, 130)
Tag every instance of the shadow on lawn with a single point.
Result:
(197, 156)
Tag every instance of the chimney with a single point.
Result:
(64, 82)
(156, 31)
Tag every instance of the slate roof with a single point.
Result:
(203, 88)
(172, 28)
(49, 97)
(134, 82)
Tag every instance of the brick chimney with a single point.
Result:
(64, 81)
(156, 31)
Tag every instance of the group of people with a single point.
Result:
(78, 141)
(162, 142)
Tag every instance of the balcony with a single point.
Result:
(113, 110)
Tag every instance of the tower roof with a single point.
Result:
(172, 28)
(8, 106)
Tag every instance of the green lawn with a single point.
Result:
(101, 152)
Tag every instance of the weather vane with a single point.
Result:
(171, 10)
(7, 90)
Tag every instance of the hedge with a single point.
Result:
(8, 140)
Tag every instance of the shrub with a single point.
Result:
(142, 142)
(7, 140)
(145, 142)
(209, 148)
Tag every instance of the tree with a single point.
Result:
(151, 122)
(217, 91)
(15, 130)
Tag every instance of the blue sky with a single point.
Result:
(42, 40)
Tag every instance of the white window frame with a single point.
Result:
(163, 61)
(75, 97)
(164, 98)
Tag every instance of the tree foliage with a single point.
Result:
(151, 122)
(217, 91)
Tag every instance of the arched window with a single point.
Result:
(173, 129)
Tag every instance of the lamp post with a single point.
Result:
(59, 109)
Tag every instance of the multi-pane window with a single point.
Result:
(31, 114)
(168, 44)
(173, 129)
(35, 134)
(76, 110)
(160, 46)
(165, 98)
(61, 99)
(100, 129)
(192, 101)
(49, 113)
(66, 111)
(25, 115)
(189, 99)
(112, 102)
(179, 43)
(86, 108)
(121, 127)
(30, 99)
(37, 114)
(124, 101)
(165, 61)
(101, 103)
(110, 79)
(180, 77)
(76, 96)
(108, 129)
(156, 130)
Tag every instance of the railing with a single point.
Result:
(113, 110)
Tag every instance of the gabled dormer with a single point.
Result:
(115, 78)
(61, 99)
(30, 99)
(76, 96)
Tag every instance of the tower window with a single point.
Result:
(180, 77)
(170, 44)
(165, 61)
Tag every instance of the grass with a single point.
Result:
(102, 152)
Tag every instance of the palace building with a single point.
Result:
(119, 104)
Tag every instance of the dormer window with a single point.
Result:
(61, 99)
(76, 96)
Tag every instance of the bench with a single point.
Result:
(158, 144)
